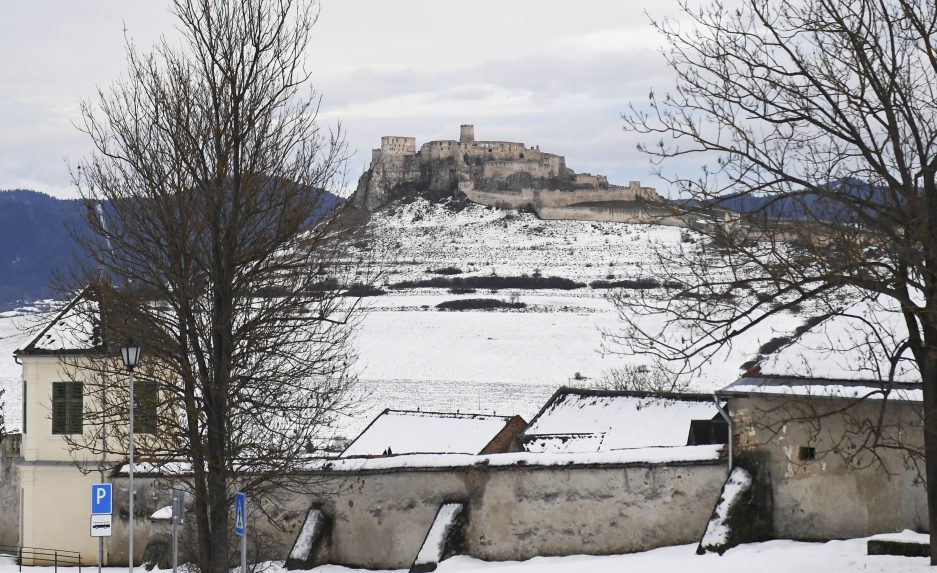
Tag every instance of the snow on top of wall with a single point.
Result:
(616, 421)
(407, 432)
(869, 390)
(861, 343)
(657, 455)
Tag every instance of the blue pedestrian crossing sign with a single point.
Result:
(240, 513)
(101, 499)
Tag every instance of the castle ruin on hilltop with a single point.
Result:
(501, 174)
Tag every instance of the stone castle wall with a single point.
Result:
(540, 198)
(490, 164)
(609, 215)
(394, 145)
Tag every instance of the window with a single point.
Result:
(144, 406)
(66, 407)
(807, 454)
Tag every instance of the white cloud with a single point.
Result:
(545, 72)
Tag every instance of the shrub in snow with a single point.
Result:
(479, 304)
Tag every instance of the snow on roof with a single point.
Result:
(75, 328)
(409, 432)
(597, 421)
(825, 388)
(862, 342)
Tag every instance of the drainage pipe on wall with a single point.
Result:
(725, 416)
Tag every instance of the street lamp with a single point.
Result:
(130, 354)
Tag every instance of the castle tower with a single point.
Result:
(467, 133)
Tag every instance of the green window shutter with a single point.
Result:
(67, 407)
(75, 407)
(59, 411)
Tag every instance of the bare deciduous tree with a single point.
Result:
(817, 120)
(219, 249)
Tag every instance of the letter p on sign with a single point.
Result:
(101, 498)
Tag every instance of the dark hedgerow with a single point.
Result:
(445, 271)
(479, 304)
(360, 290)
(494, 282)
(634, 284)
(462, 290)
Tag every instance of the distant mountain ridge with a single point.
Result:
(36, 242)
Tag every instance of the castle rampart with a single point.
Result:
(394, 145)
(509, 173)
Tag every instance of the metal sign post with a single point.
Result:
(240, 525)
(101, 509)
(178, 516)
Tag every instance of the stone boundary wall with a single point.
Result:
(9, 490)
(607, 214)
(825, 497)
(380, 517)
(540, 198)
(518, 512)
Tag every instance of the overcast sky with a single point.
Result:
(544, 72)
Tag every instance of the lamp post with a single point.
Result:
(130, 354)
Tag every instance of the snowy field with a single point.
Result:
(769, 557)
(412, 356)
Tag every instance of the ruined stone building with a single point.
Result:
(496, 173)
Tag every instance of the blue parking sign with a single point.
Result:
(240, 513)
(101, 498)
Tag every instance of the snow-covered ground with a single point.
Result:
(480, 240)
(769, 557)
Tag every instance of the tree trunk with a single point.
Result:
(929, 377)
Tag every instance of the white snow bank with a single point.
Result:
(162, 513)
(717, 530)
(780, 556)
(435, 542)
(311, 530)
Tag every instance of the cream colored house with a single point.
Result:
(55, 479)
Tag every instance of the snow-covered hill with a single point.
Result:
(422, 236)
